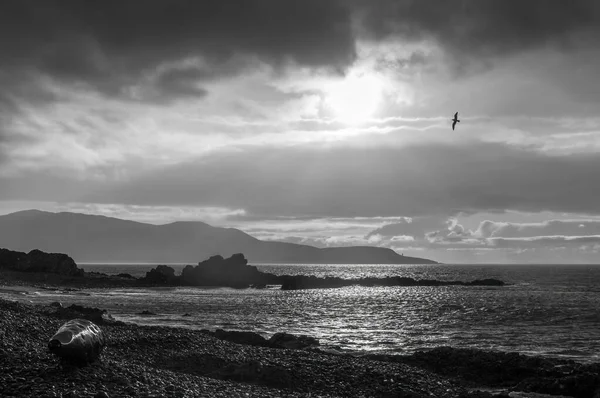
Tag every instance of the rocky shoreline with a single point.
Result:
(37, 267)
(171, 362)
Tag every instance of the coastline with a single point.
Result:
(175, 362)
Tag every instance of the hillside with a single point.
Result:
(91, 238)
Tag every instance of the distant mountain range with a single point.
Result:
(91, 238)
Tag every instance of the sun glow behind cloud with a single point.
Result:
(355, 98)
(248, 121)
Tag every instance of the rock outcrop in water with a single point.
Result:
(39, 261)
(216, 271)
(60, 269)
(235, 272)
(278, 340)
(162, 275)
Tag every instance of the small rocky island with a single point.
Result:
(60, 269)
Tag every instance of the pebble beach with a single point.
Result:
(150, 361)
(170, 362)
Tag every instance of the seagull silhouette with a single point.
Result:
(455, 120)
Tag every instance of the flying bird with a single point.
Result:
(455, 120)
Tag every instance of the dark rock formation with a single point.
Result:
(78, 341)
(235, 272)
(278, 340)
(312, 282)
(286, 340)
(38, 261)
(513, 371)
(218, 271)
(161, 275)
(242, 337)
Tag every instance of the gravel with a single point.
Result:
(146, 361)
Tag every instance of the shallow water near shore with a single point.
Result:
(550, 310)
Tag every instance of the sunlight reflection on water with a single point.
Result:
(548, 311)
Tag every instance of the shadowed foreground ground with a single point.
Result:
(171, 362)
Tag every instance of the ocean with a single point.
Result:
(548, 310)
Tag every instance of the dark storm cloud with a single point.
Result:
(171, 85)
(109, 44)
(112, 44)
(180, 82)
(482, 27)
(349, 182)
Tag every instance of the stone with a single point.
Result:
(249, 338)
(39, 261)
(290, 341)
(78, 340)
(162, 274)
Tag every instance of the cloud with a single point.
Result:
(109, 45)
(482, 28)
(409, 227)
(326, 241)
(348, 181)
(566, 228)
(547, 242)
(178, 84)
(494, 235)
(113, 46)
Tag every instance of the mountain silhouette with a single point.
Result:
(92, 238)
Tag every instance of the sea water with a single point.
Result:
(550, 310)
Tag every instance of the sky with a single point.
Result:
(320, 122)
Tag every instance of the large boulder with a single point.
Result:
(162, 274)
(293, 342)
(218, 271)
(9, 258)
(241, 337)
(237, 259)
(79, 341)
(514, 371)
(56, 263)
(39, 261)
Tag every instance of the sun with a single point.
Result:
(355, 98)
